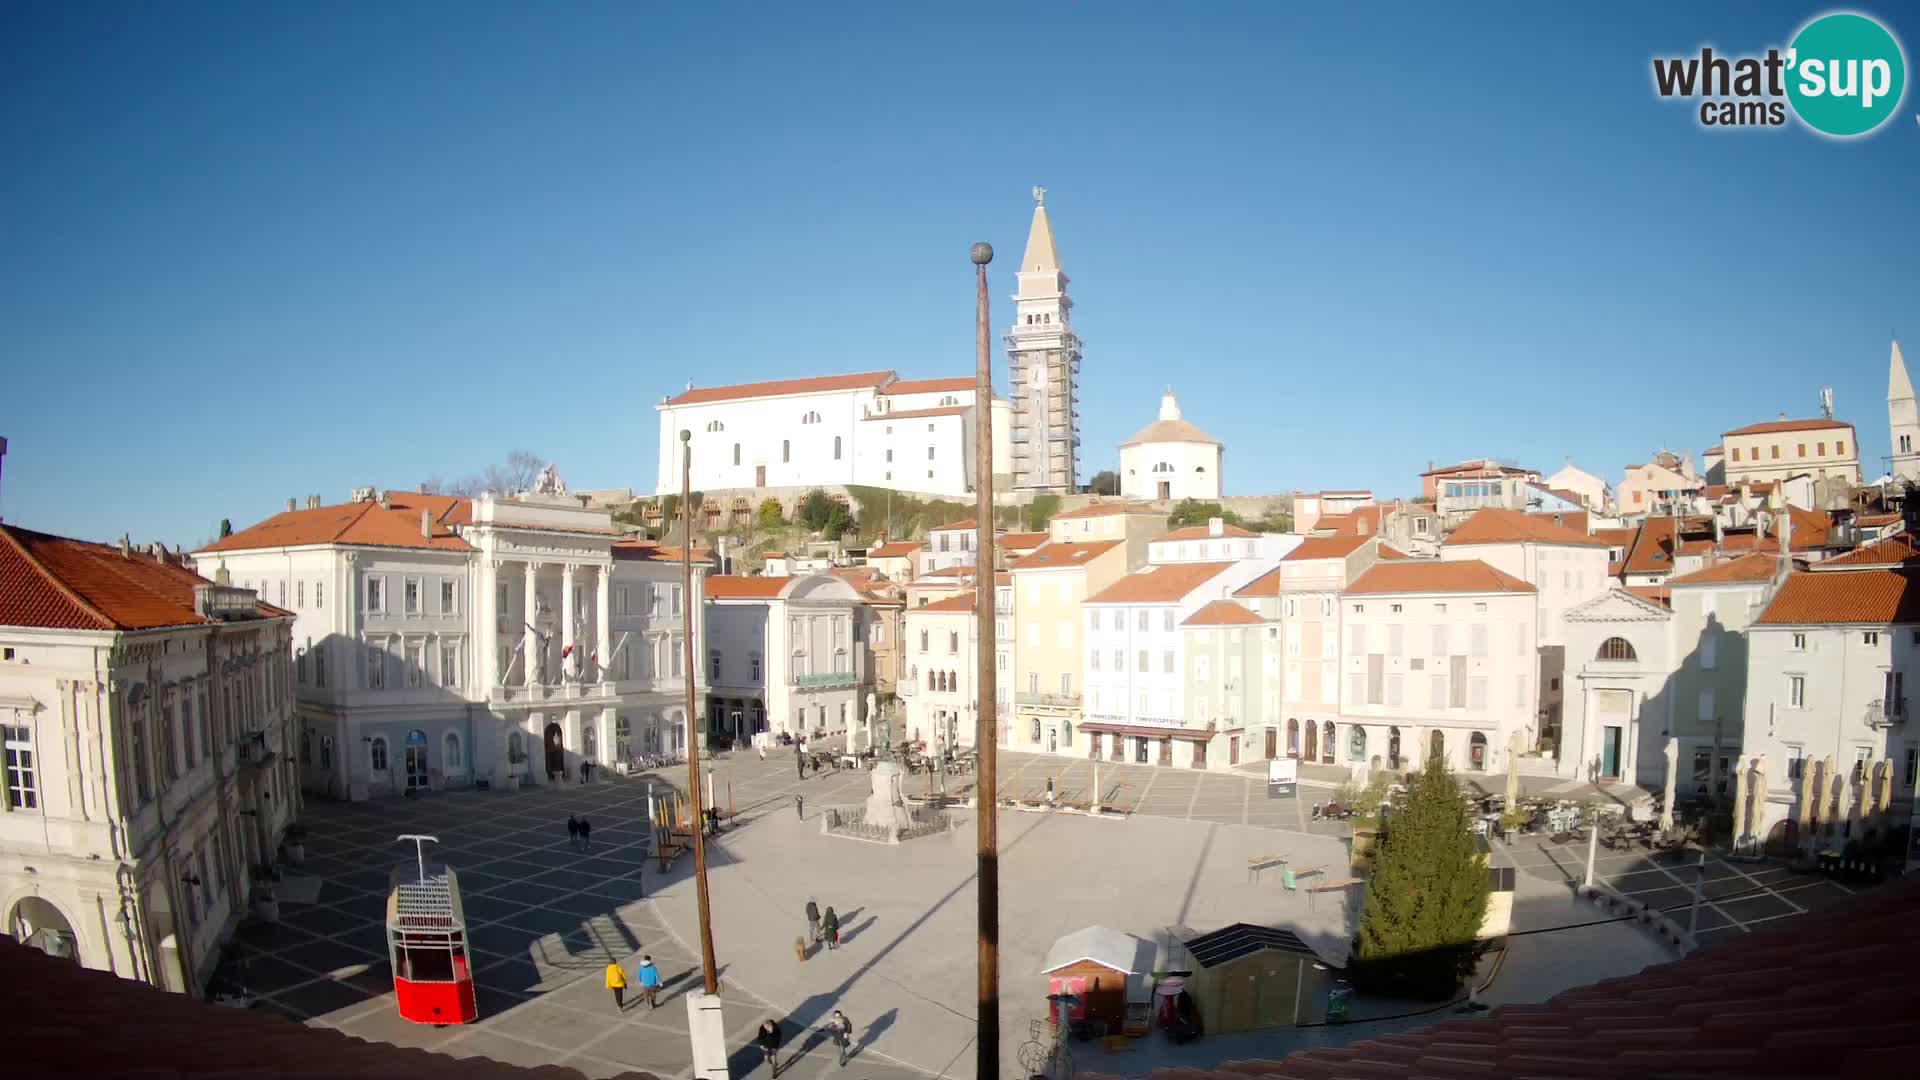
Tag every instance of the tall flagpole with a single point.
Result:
(693, 729)
(986, 739)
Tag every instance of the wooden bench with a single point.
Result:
(1330, 886)
(1263, 862)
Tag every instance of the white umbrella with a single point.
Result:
(1513, 772)
(1673, 781)
(1759, 822)
(1813, 790)
(1883, 798)
(1740, 815)
(1854, 797)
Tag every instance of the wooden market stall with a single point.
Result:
(1092, 973)
(1247, 977)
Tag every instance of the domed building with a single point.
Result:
(1171, 459)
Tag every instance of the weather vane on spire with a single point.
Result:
(1039, 196)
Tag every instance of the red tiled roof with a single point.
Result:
(1872, 596)
(932, 386)
(1203, 532)
(1756, 567)
(1810, 528)
(1496, 526)
(780, 387)
(1652, 548)
(1893, 551)
(55, 583)
(1775, 426)
(899, 549)
(1105, 509)
(1267, 584)
(1478, 465)
(1021, 541)
(653, 551)
(733, 587)
(1876, 520)
(66, 1020)
(1164, 584)
(1326, 547)
(958, 602)
(1053, 556)
(1652, 594)
(1222, 613)
(1388, 551)
(362, 524)
(911, 414)
(1795, 997)
(964, 523)
(1435, 576)
(1571, 519)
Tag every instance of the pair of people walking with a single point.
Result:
(579, 832)
(649, 984)
(822, 927)
(838, 1028)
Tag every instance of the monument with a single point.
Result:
(885, 807)
(885, 818)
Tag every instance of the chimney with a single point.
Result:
(160, 553)
(313, 502)
(126, 546)
(1216, 526)
(423, 488)
(426, 524)
(1786, 544)
(291, 503)
(386, 500)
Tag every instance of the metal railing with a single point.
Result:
(830, 678)
(1028, 697)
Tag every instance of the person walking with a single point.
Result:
(586, 834)
(830, 925)
(769, 1043)
(799, 806)
(800, 759)
(840, 1030)
(649, 982)
(617, 982)
(573, 831)
(813, 922)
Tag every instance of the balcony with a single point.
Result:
(824, 680)
(1887, 713)
(1058, 701)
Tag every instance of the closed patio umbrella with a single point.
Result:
(1757, 815)
(1883, 797)
(1813, 787)
(1673, 782)
(1849, 808)
(1513, 772)
(1741, 789)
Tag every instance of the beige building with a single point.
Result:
(942, 655)
(1048, 588)
(1300, 685)
(1778, 449)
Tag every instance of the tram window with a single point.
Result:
(426, 965)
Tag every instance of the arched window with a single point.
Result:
(1393, 747)
(306, 748)
(1036, 731)
(622, 738)
(715, 425)
(736, 453)
(1293, 738)
(589, 742)
(326, 751)
(1437, 746)
(836, 448)
(810, 418)
(1616, 648)
(377, 756)
(786, 451)
(450, 756)
(1356, 743)
(932, 681)
(1477, 752)
(516, 748)
(1066, 732)
(1326, 742)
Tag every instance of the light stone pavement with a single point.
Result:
(545, 919)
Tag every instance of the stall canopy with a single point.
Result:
(1243, 939)
(1097, 944)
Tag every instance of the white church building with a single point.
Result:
(1170, 459)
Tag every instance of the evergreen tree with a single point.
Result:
(1427, 896)
(771, 516)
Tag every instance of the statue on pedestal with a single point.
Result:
(885, 807)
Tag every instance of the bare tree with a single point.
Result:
(515, 475)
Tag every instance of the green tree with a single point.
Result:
(1193, 512)
(816, 509)
(669, 513)
(771, 516)
(1427, 896)
(1105, 482)
(1041, 510)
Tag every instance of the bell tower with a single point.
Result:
(1903, 420)
(1043, 357)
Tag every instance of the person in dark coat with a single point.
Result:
(573, 831)
(830, 926)
(769, 1042)
(813, 922)
(586, 834)
(840, 1030)
(800, 760)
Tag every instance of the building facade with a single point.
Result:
(1823, 448)
(1043, 358)
(147, 717)
(795, 646)
(1171, 459)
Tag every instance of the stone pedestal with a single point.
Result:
(885, 807)
(708, 1034)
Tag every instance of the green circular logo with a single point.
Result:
(1845, 74)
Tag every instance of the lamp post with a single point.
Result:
(987, 1031)
(687, 609)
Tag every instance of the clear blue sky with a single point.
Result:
(255, 251)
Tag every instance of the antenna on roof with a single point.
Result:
(1826, 402)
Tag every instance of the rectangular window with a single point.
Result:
(23, 791)
(416, 664)
(319, 600)
(1395, 689)
(376, 595)
(1357, 639)
(1142, 667)
(713, 665)
(1066, 683)
(283, 592)
(1736, 457)
(1799, 642)
(1145, 615)
(1913, 766)
(447, 598)
(1457, 682)
(1440, 639)
(1376, 674)
(449, 663)
(1705, 713)
(1436, 691)
(1840, 448)
(300, 593)
(679, 658)
(1166, 661)
(1093, 660)
(1396, 641)
(1776, 452)
(1480, 640)
(1796, 691)
(1870, 637)
(1520, 691)
(1802, 447)
(1478, 685)
(376, 667)
(953, 641)
(1709, 650)
(1796, 762)
(1166, 619)
(137, 748)
(1356, 687)
(1119, 660)
(412, 599)
(676, 599)
(300, 665)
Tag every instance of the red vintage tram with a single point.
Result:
(427, 943)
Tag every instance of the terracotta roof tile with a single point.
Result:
(1163, 584)
(1895, 550)
(1105, 509)
(780, 387)
(1572, 519)
(1054, 556)
(932, 386)
(1435, 576)
(363, 524)
(1496, 526)
(733, 587)
(1222, 613)
(1021, 541)
(1478, 466)
(1856, 596)
(1267, 584)
(1652, 548)
(951, 526)
(1775, 426)
(1877, 520)
(1326, 547)
(56, 583)
(914, 414)
(635, 550)
(1203, 532)
(960, 602)
(899, 549)
(1756, 567)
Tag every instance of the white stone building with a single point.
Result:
(147, 720)
(1437, 659)
(1043, 360)
(792, 650)
(1594, 491)
(1171, 459)
(1620, 662)
(943, 664)
(948, 546)
(443, 641)
(870, 428)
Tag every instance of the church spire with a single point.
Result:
(1899, 386)
(1903, 419)
(1042, 256)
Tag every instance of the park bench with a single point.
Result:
(1329, 886)
(1263, 862)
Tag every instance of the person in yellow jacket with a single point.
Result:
(617, 982)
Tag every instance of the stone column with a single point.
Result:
(602, 626)
(567, 642)
(531, 646)
(484, 608)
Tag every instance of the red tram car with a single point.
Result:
(427, 944)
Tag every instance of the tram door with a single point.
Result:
(416, 760)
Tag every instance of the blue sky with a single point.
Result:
(252, 252)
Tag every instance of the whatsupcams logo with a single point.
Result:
(1843, 75)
